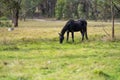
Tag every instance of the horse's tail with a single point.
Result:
(85, 25)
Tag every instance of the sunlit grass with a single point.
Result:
(32, 52)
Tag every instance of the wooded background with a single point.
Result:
(59, 9)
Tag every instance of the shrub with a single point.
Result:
(4, 18)
(4, 22)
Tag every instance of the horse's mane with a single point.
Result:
(69, 22)
(66, 26)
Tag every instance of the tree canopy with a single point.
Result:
(60, 9)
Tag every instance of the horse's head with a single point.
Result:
(61, 38)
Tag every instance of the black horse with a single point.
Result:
(74, 26)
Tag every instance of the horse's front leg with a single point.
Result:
(67, 36)
(73, 36)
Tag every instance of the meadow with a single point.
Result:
(32, 52)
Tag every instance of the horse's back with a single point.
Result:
(75, 26)
(80, 25)
(83, 22)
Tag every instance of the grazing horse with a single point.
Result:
(74, 26)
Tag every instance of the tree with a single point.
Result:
(28, 8)
(15, 12)
(113, 6)
(48, 7)
(59, 9)
(13, 6)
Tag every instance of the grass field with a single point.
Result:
(32, 52)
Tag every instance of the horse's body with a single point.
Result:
(74, 26)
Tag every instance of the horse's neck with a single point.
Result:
(65, 28)
(63, 31)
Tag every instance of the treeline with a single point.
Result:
(88, 9)
(65, 9)
(59, 9)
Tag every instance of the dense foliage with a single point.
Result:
(62, 9)
(89, 9)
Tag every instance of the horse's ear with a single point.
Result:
(59, 33)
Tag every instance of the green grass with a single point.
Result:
(33, 52)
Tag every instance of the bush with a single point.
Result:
(4, 22)
(4, 18)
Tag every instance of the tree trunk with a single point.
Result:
(112, 12)
(15, 17)
(95, 10)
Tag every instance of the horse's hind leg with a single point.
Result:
(86, 35)
(67, 36)
(82, 33)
